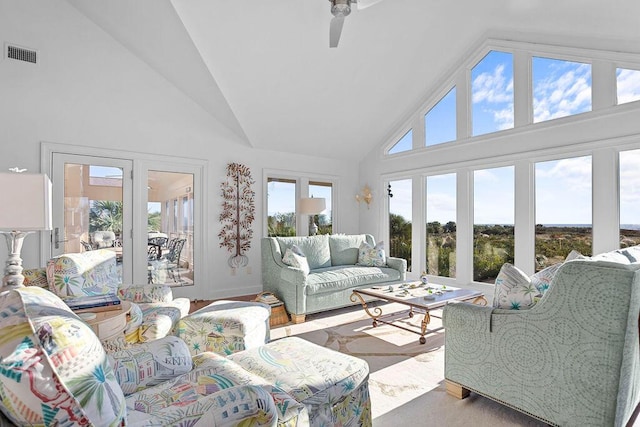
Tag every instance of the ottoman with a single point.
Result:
(331, 385)
(226, 327)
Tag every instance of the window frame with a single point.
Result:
(302, 180)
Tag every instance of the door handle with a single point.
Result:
(56, 238)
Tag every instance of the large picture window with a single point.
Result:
(563, 209)
(400, 205)
(493, 229)
(629, 198)
(441, 225)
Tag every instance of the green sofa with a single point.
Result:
(573, 359)
(333, 272)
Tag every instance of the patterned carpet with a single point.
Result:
(406, 378)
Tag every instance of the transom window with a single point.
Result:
(492, 93)
(404, 144)
(627, 85)
(440, 121)
(560, 88)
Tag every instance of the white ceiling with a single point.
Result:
(264, 69)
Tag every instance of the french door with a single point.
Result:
(93, 207)
(149, 218)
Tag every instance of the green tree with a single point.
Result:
(105, 215)
(400, 235)
(154, 221)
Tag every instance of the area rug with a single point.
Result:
(406, 378)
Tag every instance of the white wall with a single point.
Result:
(88, 90)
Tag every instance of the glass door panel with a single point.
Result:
(91, 207)
(170, 228)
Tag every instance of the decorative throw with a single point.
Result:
(294, 257)
(372, 256)
(514, 290)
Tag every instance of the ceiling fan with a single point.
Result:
(340, 9)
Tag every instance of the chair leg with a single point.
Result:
(297, 318)
(456, 390)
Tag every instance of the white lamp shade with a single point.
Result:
(313, 205)
(26, 202)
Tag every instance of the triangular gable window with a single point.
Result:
(440, 121)
(404, 144)
(628, 85)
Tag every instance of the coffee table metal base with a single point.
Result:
(379, 317)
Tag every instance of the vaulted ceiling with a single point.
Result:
(264, 69)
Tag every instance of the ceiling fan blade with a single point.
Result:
(363, 4)
(335, 30)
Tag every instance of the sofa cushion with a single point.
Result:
(513, 289)
(332, 385)
(54, 370)
(315, 248)
(332, 279)
(344, 248)
(372, 256)
(225, 327)
(293, 259)
(187, 400)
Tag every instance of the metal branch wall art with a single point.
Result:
(238, 213)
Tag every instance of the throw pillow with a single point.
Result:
(372, 256)
(542, 279)
(514, 290)
(294, 259)
(54, 370)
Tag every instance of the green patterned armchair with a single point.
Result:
(573, 359)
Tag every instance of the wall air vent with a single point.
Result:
(21, 53)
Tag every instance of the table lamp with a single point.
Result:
(312, 206)
(27, 210)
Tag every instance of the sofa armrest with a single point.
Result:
(399, 264)
(291, 289)
(145, 293)
(293, 275)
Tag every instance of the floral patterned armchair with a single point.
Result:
(55, 372)
(154, 312)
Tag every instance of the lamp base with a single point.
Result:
(313, 229)
(13, 277)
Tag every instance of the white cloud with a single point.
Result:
(628, 82)
(493, 87)
(564, 91)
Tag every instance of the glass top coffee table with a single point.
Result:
(418, 297)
